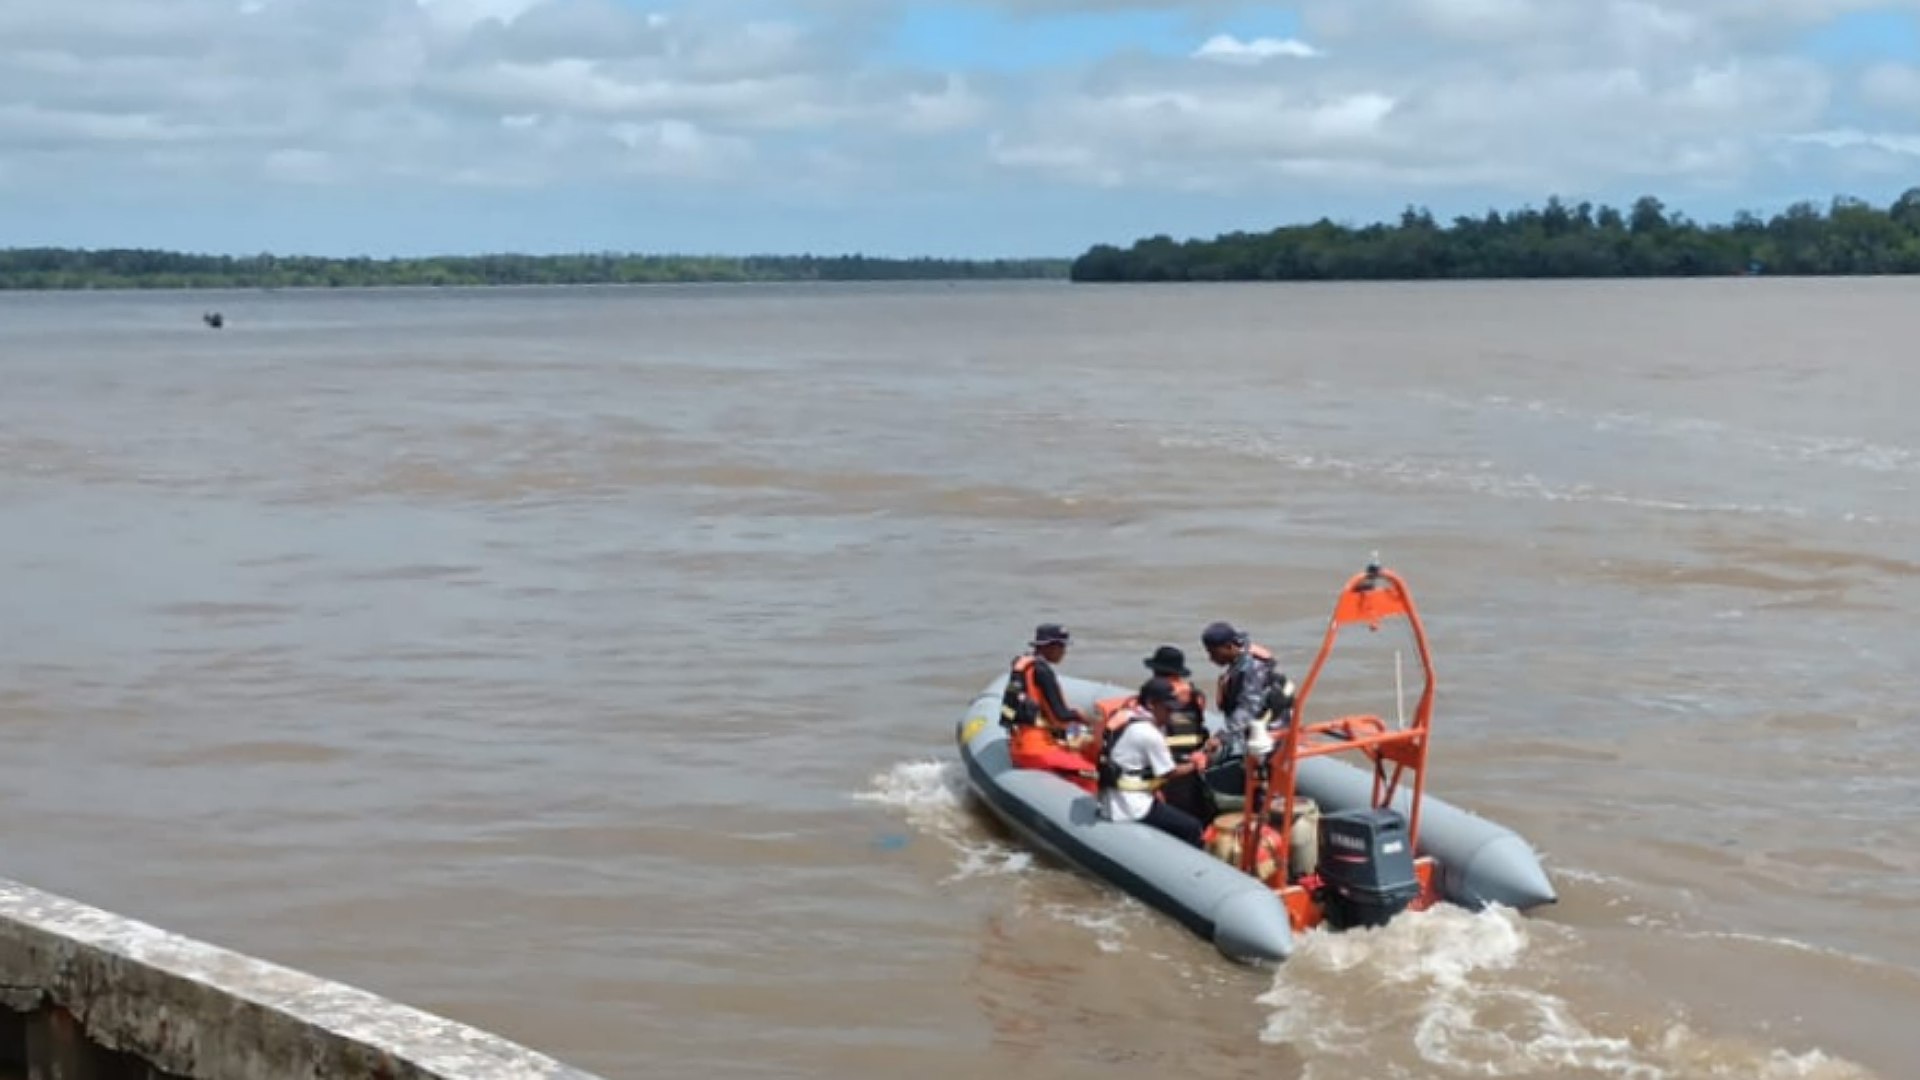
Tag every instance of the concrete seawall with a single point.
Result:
(88, 995)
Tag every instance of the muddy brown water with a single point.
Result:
(583, 663)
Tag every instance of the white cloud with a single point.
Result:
(680, 149)
(1599, 23)
(33, 127)
(467, 13)
(1893, 87)
(954, 107)
(301, 166)
(1848, 138)
(515, 92)
(1227, 49)
(1512, 98)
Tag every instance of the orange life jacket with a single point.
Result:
(1111, 775)
(1186, 728)
(1187, 699)
(1108, 708)
(1022, 704)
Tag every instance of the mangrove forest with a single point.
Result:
(64, 268)
(1559, 240)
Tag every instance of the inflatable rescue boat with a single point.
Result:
(1335, 844)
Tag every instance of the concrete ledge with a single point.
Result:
(85, 993)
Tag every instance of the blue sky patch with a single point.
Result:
(953, 36)
(1886, 34)
(970, 37)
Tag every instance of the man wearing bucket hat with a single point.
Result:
(1186, 732)
(1036, 714)
(1189, 728)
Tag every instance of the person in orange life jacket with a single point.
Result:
(1135, 762)
(1186, 732)
(1251, 691)
(1036, 713)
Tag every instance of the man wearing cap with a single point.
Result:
(1250, 689)
(1135, 761)
(1037, 715)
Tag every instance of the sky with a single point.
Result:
(966, 128)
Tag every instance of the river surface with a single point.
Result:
(584, 663)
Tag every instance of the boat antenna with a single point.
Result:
(1399, 693)
(1399, 683)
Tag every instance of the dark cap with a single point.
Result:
(1218, 634)
(1050, 634)
(1167, 660)
(1158, 691)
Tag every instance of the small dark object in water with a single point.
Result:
(214, 319)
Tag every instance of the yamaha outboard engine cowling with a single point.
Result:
(1366, 866)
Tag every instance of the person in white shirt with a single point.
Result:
(1135, 761)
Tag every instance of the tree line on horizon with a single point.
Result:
(131, 268)
(1582, 240)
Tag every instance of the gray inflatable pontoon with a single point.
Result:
(1479, 862)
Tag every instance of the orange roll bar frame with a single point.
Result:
(1368, 597)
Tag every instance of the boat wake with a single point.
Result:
(1444, 992)
(1471, 995)
(932, 794)
(1110, 929)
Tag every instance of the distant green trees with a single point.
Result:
(63, 268)
(1557, 241)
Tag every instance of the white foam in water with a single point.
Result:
(1477, 478)
(986, 859)
(931, 792)
(1590, 877)
(1843, 450)
(1791, 944)
(1462, 993)
(1107, 925)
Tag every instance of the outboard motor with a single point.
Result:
(1366, 866)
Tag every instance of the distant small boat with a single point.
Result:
(214, 319)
